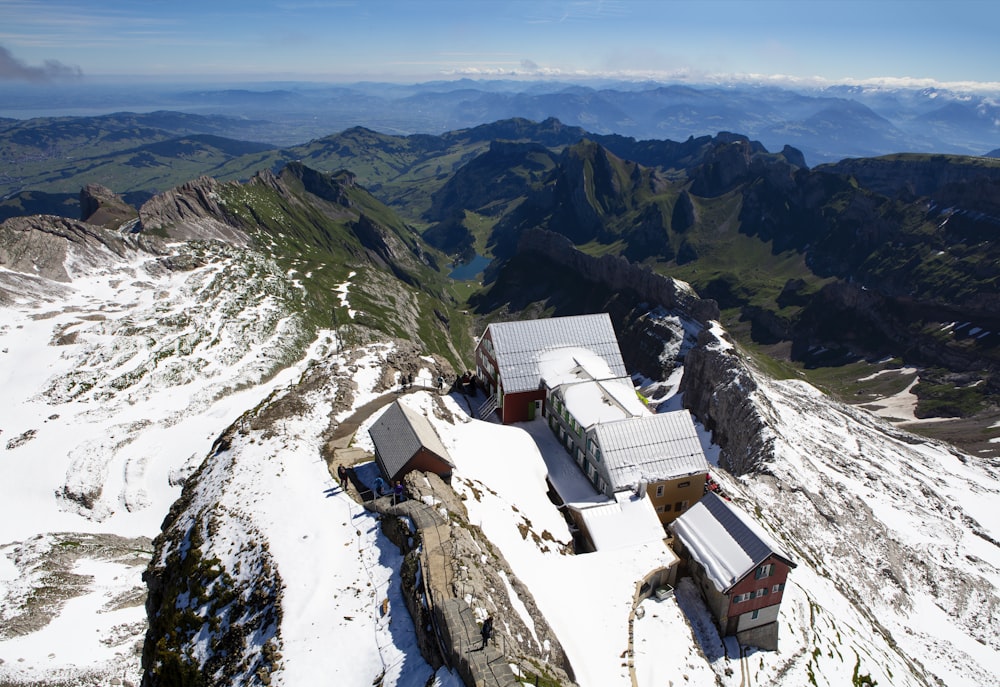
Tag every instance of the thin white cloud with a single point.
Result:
(527, 68)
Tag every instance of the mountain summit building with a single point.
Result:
(647, 471)
(739, 568)
(510, 356)
(571, 370)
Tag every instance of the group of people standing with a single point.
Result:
(380, 487)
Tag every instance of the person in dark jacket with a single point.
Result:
(342, 475)
(487, 631)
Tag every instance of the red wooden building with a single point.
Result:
(740, 570)
(405, 441)
(508, 354)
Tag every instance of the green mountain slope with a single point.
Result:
(329, 231)
(809, 266)
(885, 258)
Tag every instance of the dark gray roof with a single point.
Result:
(399, 433)
(726, 543)
(518, 345)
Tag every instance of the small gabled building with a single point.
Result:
(509, 355)
(405, 441)
(739, 568)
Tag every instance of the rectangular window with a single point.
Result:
(777, 588)
(760, 592)
(740, 598)
(659, 490)
(765, 571)
(681, 505)
(683, 485)
(666, 508)
(756, 612)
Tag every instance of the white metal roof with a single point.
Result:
(558, 366)
(651, 448)
(519, 346)
(725, 541)
(623, 523)
(602, 401)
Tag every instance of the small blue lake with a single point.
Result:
(471, 269)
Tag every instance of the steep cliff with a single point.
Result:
(718, 387)
(618, 274)
(57, 248)
(191, 211)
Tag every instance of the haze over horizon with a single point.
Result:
(824, 42)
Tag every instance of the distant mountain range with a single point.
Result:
(888, 258)
(825, 124)
(883, 258)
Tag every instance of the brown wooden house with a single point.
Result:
(740, 570)
(405, 441)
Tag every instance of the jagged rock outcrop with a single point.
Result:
(450, 567)
(192, 211)
(725, 166)
(618, 274)
(58, 248)
(100, 205)
(231, 609)
(914, 175)
(653, 342)
(719, 389)
(684, 215)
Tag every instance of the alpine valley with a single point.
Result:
(194, 340)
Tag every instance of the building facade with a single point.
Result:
(509, 354)
(740, 569)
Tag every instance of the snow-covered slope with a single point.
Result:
(118, 382)
(115, 384)
(903, 527)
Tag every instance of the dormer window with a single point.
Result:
(765, 571)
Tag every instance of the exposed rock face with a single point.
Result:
(915, 175)
(684, 215)
(193, 599)
(618, 274)
(590, 188)
(190, 212)
(725, 166)
(458, 569)
(58, 248)
(719, 388)
(653, 342)
(101, 206)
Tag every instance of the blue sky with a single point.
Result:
(395, 40)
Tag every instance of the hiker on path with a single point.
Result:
(342, 474)
(487, 630)
(397, 492)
